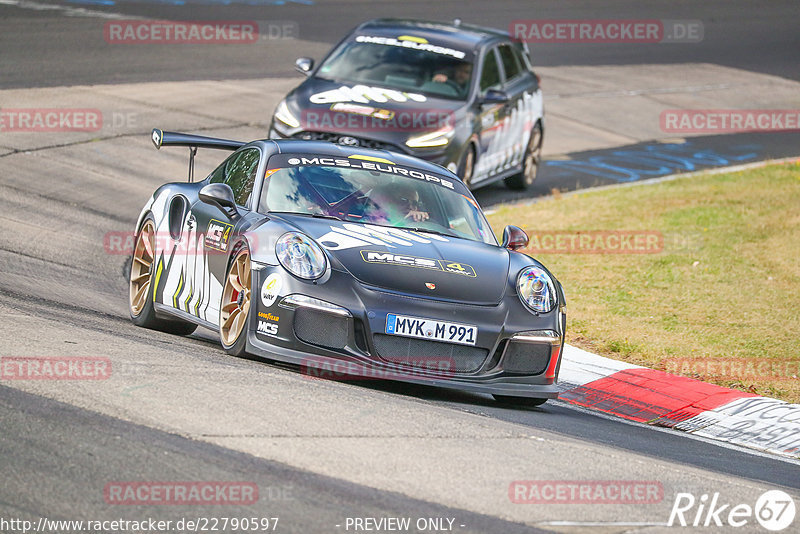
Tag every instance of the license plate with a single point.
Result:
(431, 329)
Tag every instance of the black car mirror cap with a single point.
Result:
(303, 65)
(495, 96)
(514, 237)
(221, 196)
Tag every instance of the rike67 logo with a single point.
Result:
(774, 510)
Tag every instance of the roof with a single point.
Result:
(323, 148)
(463, 35)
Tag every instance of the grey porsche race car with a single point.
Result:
(347, 261)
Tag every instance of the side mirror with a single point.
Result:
(514, 238)
(221, 196)
(303, 65)
(495, 96)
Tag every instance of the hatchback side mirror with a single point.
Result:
(495, 96)
(514, 238)
(221, 196)
(303, 65)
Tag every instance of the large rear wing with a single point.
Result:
(161, 138)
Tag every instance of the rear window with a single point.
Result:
(490, 75)
(510, 61)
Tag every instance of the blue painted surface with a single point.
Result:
(651, 161)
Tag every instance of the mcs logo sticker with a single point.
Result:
(269, 329)
(218, 234)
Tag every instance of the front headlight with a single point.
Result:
(300, 255)
(438, 138)
(536, 289)
(283, 114)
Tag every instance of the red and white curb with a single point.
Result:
(662, 399)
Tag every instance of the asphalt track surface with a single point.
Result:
(747, 35)
(180, 409)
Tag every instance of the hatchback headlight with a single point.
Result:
(432, 139)
(536, 289)
(300, 255)
(283, 114)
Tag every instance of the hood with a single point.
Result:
(367, 109)
(413, 263)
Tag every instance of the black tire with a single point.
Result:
(237, 345)
(466, 167)
(524, 402)
(530, 162)
(144, 314)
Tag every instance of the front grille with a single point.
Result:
(526, 358)
(429, 354)
(320, 328)
(335, 137)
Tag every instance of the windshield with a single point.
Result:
(375, 192)
(404, 63)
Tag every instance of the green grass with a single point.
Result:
(725, 286)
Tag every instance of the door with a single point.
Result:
(522, 111)
(490, 116)
(196, 286)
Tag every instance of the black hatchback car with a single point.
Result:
(462, 96)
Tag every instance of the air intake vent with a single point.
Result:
(320, 328)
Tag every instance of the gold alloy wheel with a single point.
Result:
(469, 166)
(533, 156)
(142, 267)
(235, 300)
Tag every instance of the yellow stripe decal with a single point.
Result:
(372, 158)
(158, 276)
(191, 294)
(413, 38)
(177, 292)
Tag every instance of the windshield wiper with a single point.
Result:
(437, 232)
(315, 215)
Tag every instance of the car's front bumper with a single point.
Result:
(516, 352)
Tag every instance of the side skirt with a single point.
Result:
(164, 310)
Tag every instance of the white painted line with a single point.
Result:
(67, 10)
(687, 435)
(658, 179)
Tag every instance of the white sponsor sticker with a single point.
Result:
(364, 94)
(269, 329)
(270, 289)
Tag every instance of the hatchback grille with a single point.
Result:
(335, 138)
